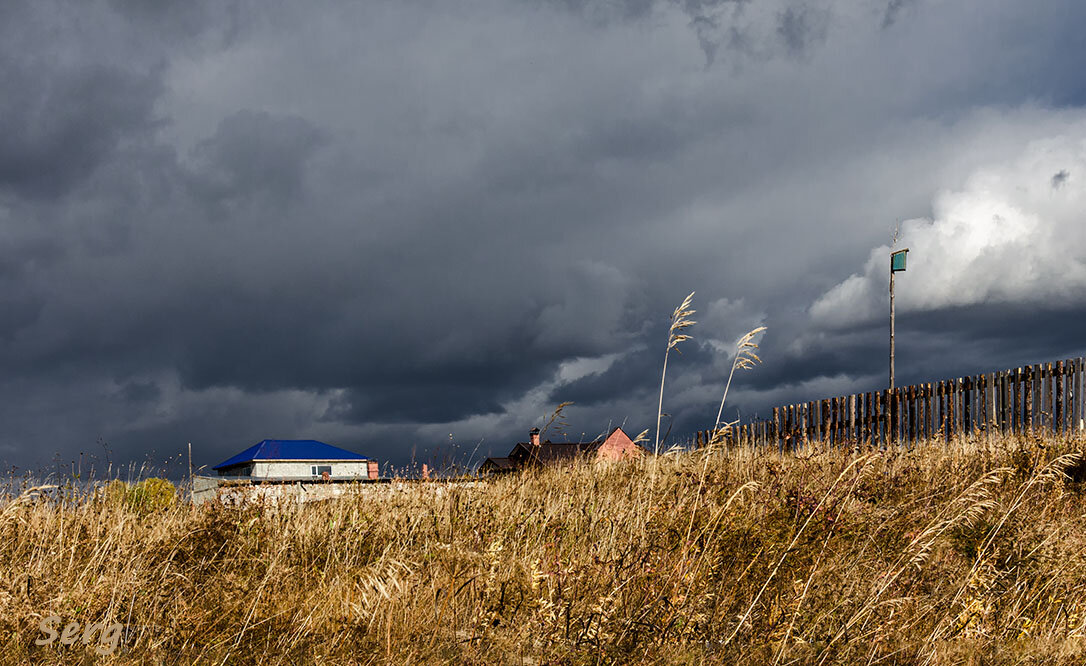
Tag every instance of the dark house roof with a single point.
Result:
(526, 453)
(497, 465)
(290, 449)
(549, 451)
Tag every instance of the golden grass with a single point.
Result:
(972, 552)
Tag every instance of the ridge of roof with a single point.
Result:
(290, 449)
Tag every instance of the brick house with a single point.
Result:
(615, 446)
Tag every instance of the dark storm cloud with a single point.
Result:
(65, 121)
(894, 9)
(802, 27)
(383, 224)
(736, 26)
(421, 403)
(180, 22)
(254, 154)
(632, 373)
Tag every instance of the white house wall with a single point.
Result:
(341, 469)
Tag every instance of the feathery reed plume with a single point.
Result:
(680, 320)
(557, 418)
(745, 358)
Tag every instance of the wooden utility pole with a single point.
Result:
(897, 263)
(891, 324)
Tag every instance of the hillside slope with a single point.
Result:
(969, 552)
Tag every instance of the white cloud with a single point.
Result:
(1012, 234)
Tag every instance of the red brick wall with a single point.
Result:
(618, 447)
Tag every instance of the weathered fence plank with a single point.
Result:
(1040, 398)
(1076, 415)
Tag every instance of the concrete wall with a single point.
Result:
(341, 469)
(233, 493)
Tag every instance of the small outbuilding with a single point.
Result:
(298, 460)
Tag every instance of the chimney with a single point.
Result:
(533, 436)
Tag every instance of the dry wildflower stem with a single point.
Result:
(972, 550)
(745, 358)
(680, 321)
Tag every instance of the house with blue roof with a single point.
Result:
(298, 460)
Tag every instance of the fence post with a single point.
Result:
(797, 431)
(1027, 400)
(865, 424)
(891, 416)
(903, 414)
(952, 404)
(852, 418)
(1049, 372)
(951, 418)
(991, 398)
(939, 407)
(886, 411)
(789, 427)
(1059, 397)
(1077, 416)
(843, 420)
(948, 421)
(1019, 398)
(982, 403)
(882, 417)
(839, 420)
(797, 426)
(911, 410)
(1005, 412)
(877, 409)
(928, 421)
(871, 402)
(777, 426)
(967, 413)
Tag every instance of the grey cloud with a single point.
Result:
(740, 27)
(380, 224)
(894, 9)
(1059, 178)
(187, 21)
(801, 28)
(254, 154)
(426, 404)
(65, 122)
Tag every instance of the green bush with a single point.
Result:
(147, 496)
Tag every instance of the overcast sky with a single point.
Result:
(409, 228)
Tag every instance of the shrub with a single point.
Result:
(147, 496)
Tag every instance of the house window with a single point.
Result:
(321, 470)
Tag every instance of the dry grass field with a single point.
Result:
(964, 553)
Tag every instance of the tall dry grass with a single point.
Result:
(680, 321)
(972, 552)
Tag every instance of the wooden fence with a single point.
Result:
(1043, 398)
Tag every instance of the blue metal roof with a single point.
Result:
(290, 449)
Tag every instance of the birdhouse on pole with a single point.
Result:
(897, 260)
